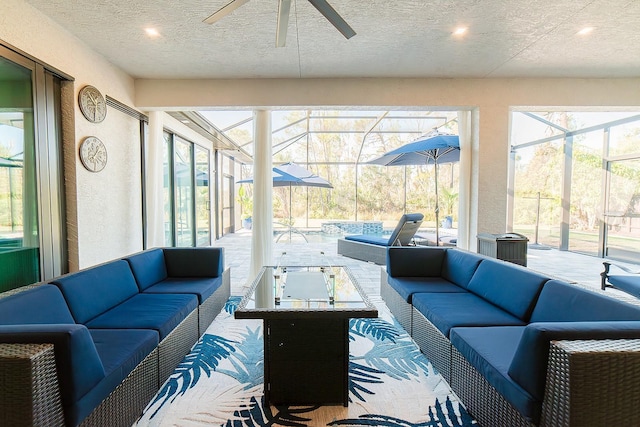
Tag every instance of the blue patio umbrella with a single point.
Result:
(433, 148)
(291, 174)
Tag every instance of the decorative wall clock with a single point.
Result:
(92, 104)
(93, 154)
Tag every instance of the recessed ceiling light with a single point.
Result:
(152, 32)
(460, 31)
(185, 121)
(585, 31)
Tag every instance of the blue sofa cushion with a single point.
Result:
(449, 310)
(407, 286)
(459, 266)
(120, 350)
(562, 302)
(93, 291)
(194, 262)
(491, 350)
(203, 288)
(161, 312)
(627, 283)
(369, 238)
(511, 287)
(529, 367)
(415, 261)
(148, 267)
(77, 360)
(41, 304)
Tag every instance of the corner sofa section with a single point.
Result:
(519, 348)
(94, 346)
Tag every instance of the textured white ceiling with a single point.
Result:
(395, 38)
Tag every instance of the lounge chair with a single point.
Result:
(628, 281)
(373, 248)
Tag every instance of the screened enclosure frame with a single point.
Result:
(567, 139)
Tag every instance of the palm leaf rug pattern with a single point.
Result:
(220, 382)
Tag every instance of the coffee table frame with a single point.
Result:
(306, 350)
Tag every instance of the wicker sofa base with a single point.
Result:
(125, 404)
(176, 345)
(209, 309)
(397, 305)
(29, 394)
(480, 398)
(432, 343)
(592, 383)
(363, 251)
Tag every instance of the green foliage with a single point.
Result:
(245, 199)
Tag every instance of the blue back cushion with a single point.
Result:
(458, 266)
(562, 302)
(529, 365)
(415, 261)
(194, 262)
(95, 290)
(509, 286)
(148, 267)
(42, 304)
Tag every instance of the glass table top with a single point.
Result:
(305, 289)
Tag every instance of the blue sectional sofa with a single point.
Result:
(93, 347)
(519, 348)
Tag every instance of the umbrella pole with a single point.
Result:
(290, 213)
(435, 163)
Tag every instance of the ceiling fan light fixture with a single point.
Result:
(284, 7)
(586, 30)
(225, 10)
(460, 31)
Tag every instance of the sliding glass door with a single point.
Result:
(19, 242)
(32, 239)
(183, 191)
(202, 197)
(187, 193)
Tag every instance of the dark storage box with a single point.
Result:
(510, 247)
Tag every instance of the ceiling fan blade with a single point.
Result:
(284, 6)
(225, 10)
(332, 16)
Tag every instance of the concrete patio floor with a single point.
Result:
(583, 270)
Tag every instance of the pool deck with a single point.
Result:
(582, 270)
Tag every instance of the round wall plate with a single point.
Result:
(92, 104)
(93, 154)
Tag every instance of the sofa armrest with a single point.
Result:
(78, 364)
(194, 262)
(418, 261)
(586, 378)
(529, 366)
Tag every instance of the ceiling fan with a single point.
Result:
(283, 17)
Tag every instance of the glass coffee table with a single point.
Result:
(306, 312)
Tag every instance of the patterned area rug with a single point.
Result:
(220, 382)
